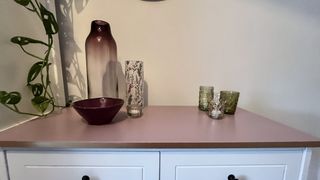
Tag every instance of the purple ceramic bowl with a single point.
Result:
(97, 111)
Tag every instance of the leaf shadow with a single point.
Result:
(69, 54)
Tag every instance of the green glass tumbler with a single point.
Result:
(230, 98)
(205, 96)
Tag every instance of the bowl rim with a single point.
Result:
(119, 102)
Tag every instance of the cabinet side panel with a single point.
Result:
(3, 167)
(305, 164)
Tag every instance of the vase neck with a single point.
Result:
(99, 26)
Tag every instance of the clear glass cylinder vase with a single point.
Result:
(134, 76)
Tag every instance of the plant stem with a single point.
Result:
(50, 41)
(31, 54)
(15, 109)
(53, 106)
(35, 9)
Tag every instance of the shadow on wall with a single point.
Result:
(310, 7)
(69, 50)
(74, 77)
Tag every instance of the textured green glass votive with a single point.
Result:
(230, 98)
(205, 96)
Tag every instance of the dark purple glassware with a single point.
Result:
(101, 56)
(98, 111)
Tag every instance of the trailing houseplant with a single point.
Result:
(38, 78)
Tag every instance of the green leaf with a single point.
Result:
(3, 97)
(41, 103)
(2, 93)
(49, 21)
(21, 40)
(10, 98)
(14, 97)
(23, 2)
(34, 71)
(36, 89)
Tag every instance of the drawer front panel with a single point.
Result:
(77, 172)
(253, 172)
(74, 165)
(244, 164)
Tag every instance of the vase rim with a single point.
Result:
(135, 61)
(100, 22)
(230, 91)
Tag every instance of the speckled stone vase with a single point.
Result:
(135, 84)
(101, 57)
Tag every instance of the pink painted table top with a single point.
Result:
(159, 127)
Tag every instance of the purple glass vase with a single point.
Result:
(101, 57)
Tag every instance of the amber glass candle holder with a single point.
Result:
(230, 98)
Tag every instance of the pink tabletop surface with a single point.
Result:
(159, 127)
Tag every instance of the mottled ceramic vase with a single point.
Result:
(101, 56)
(134, 83)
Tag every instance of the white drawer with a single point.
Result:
(243, 164)
(48, 165)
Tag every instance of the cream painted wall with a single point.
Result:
(269, 50)
(14, 64)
